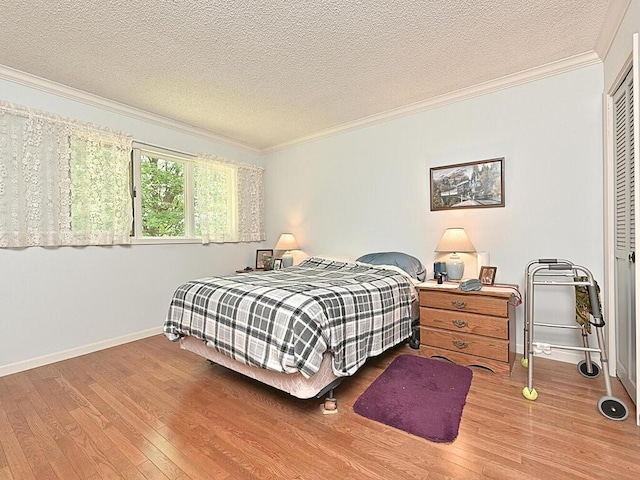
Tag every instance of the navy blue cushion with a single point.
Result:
(409, 264)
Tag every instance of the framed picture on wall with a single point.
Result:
(468, 185)
(488, 275)
(260, 254)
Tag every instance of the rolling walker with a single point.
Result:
(559, 272)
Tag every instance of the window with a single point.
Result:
(161, 193)
(64, 182)
(179, 196)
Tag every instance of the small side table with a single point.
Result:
(470, 328)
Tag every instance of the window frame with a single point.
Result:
(188, 160)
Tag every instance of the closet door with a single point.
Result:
(625, 235)
(626, 131)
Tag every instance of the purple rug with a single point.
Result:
(419, 395)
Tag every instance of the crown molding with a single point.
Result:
(525, 76)
(48, 86)
(530, 75)
(615, 14)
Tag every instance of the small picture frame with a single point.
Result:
(277, 264)
(260, 254)
(488, 275)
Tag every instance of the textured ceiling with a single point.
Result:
(265, 73)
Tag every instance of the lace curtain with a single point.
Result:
(229, 200)
(61, 182)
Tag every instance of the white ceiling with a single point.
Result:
(270, 73)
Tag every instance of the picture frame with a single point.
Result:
(487, 275)
(468, 185)
(260, 254)
(277, 264)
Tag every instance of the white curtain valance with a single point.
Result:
(62, 182)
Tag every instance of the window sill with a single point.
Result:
(161, 241)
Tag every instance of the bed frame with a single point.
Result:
(318, 385)
(296, 384)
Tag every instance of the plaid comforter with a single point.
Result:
(285, 320)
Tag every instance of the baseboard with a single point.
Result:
(559, 355)
(566, 356)
(76, 352)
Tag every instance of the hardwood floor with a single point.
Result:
(148, 410)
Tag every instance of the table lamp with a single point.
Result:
(454, 241)
(287, 242)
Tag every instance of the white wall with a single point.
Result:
(367, 190)
(61, 302)
(348, 194)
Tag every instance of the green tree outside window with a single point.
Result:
(163, 212)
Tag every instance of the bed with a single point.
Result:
(301, 329)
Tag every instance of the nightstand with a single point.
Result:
(254, 270)
(469, 328)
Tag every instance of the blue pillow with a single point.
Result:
(409, 264)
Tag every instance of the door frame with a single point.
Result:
(609, 191)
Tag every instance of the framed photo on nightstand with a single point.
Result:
(277, 264)
(260, 254)
(488, 275)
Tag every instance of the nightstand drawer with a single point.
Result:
(465, 302)
(486, 347)
(497, 327)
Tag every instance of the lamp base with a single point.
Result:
(287, 260)
(455, 269)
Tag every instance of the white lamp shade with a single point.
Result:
(287, 242)
(455, 240)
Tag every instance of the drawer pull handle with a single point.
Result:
(460, 344)
(459, 304)
(459, 323)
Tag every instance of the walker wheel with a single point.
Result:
(524, 361)
(612, 408)
(582, 368)
(529, 394)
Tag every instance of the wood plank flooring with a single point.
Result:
(148, 410)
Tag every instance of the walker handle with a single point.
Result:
(548, 260)
(561, 266)
(595, 303)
